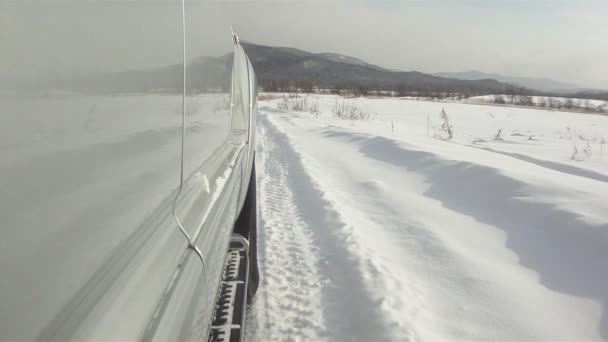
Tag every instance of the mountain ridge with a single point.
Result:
(280, 68)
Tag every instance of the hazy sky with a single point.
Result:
(563, 40)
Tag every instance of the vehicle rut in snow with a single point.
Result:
(311, 287)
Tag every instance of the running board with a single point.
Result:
(229, 314)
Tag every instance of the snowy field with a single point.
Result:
(383, 228)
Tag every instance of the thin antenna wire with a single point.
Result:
(181, 173)
(191, 244)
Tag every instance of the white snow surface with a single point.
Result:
(377, 230)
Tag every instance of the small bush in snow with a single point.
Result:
(586, 146)
(581, 148)
(345, 109)
(498, 135)
(499, 99)
(446, 130)
(441, 126)
(526, 101)
(295, 103)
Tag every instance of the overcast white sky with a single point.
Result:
(562, 40)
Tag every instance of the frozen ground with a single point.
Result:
(375, 229)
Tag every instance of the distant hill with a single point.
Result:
(543, 84)
(279, 67)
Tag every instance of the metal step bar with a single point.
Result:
(229, 314)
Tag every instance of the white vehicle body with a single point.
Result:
(92, 97)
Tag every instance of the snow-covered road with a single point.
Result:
(312, 287)
(367, 236)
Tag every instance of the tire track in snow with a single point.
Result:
(288, 301)
(311, 287)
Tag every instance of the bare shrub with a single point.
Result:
(586, 146)
(443, 129)
(525, 101)
(581, 147)
(295, 103)
(349, 110)
(446, 130)
(498, 135)
(574, 151)
(284, 104)
(499, 99)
